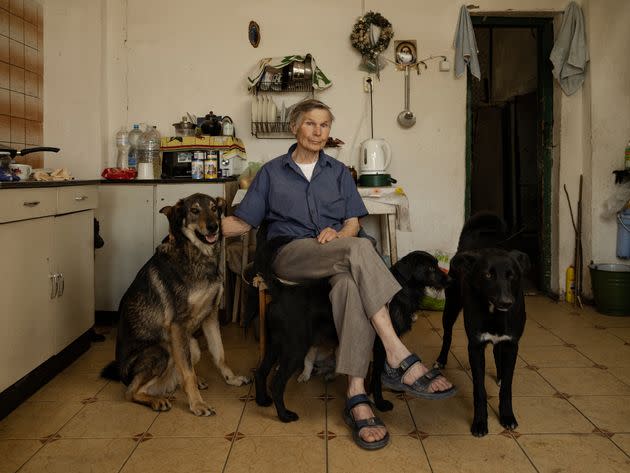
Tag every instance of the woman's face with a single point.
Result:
(313, 132)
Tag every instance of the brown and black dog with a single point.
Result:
(177, 292)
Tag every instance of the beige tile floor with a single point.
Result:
(571, 397)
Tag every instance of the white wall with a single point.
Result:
(148, 61)
(73, 85)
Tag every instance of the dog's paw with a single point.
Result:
(160, 404)
(303, 378)
(288, 416)
(202, 409)
(237, 380)
(201, 383)
(264, 401)
(509, 422)
(384, 405)
(479, 428)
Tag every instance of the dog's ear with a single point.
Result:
(221, 206)
(522, 260)
(462, 263)
(166, 211)
(175, 216)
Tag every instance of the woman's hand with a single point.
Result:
(327, 234)
(234, 226)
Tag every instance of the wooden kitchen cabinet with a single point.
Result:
(26, 318)
(132, 227)
(47, 275)
(125, 214)
(73, 249)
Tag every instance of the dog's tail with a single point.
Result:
(111, 371)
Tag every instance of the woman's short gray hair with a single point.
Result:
(300, 108)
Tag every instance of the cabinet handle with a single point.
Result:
(53, 285)
(63, 285)
(31, 203)
(80, 197)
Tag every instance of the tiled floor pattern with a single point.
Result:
(571, 397)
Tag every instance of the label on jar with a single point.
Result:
(196, 165)
(211, 165)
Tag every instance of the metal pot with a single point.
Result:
(376, 180)
(185, 127)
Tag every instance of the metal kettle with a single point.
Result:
(227, 126)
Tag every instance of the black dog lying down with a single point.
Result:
(487, 283)
(414, 272)
(299, 317)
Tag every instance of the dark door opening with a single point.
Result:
(509, 114)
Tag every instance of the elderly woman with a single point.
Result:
(311, 197)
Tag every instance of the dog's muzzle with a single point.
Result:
(209, 239)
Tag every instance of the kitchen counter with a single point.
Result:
(79, 182)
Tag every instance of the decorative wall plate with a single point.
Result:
(406, 52)
(253, 33)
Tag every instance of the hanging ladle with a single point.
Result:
(406, 118)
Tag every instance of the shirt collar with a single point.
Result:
(324, 159)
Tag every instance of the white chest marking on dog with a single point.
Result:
(488, 337)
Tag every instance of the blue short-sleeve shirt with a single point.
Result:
(293, 206)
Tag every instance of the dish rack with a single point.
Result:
(298, 85)
(271, 130)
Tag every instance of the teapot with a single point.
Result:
(211, 125)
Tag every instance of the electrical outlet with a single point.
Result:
(367, 83)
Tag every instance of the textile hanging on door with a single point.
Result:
(570, 51)
(465, 46)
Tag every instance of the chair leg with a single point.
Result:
(262, 313)
(237, 295)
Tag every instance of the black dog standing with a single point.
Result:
(487, 284)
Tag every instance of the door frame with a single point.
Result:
(544, 26)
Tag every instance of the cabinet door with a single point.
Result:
(169, 194)
(125, 213)
(25, 298)
(73, 259)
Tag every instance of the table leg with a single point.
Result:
(393, 244)
(385, 241)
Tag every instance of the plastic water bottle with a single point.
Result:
(122, 143)
(134, 140)
(149, 162)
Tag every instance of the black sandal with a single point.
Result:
(392, 378)
(357, 425)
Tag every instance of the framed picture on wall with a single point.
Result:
(406, 51)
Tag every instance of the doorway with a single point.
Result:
(509, 132)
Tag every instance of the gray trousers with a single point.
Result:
(360, 285)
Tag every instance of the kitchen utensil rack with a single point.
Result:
(272, 130)
(298, 85)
